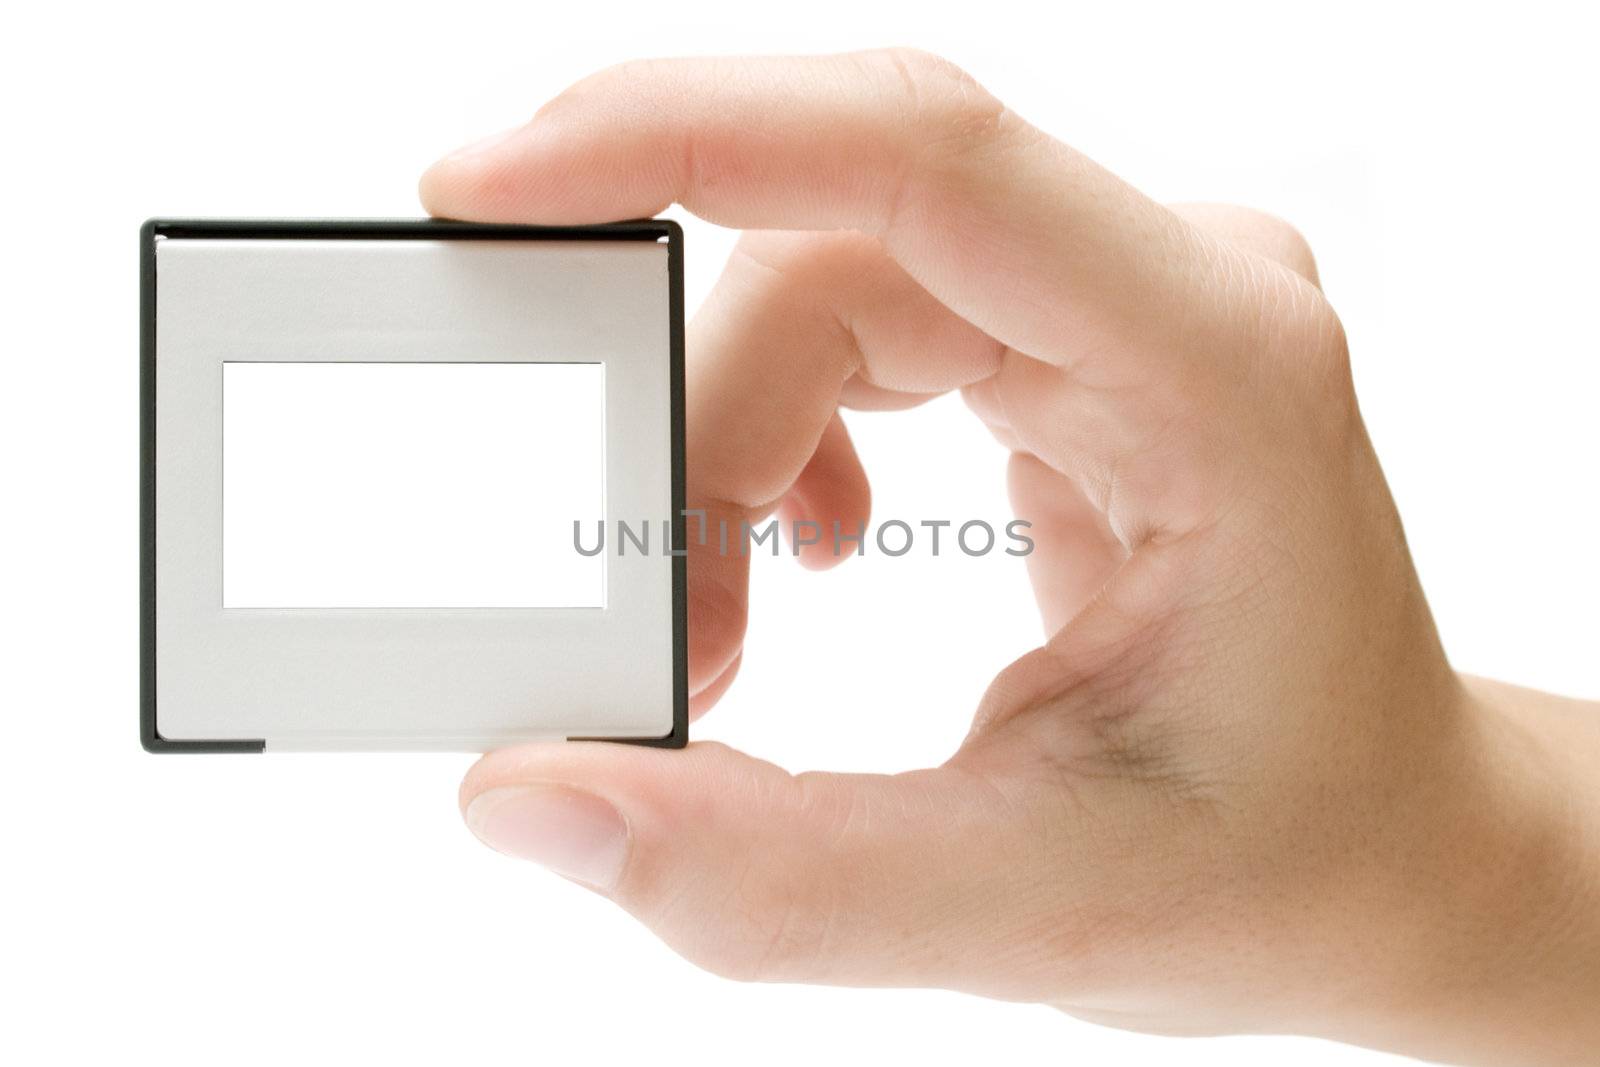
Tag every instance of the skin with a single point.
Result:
(1239, 787)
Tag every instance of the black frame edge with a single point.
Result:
(679, 737)
(396, 229)
(149, 734)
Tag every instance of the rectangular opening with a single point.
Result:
(412, 485)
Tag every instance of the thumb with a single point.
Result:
(755, 873)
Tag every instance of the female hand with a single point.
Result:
(1239, 787)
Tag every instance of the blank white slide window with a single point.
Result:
(412, 485)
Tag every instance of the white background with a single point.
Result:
(332, 909)
(398, 485)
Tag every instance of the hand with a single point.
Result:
(1239, 787)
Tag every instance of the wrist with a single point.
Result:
(1501, 901)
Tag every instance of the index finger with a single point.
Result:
(1026, 238)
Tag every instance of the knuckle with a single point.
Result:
(1285, 242)
(928, 69)
(1318, 351)
(1258, 231)
(1292, 247)
(1315, 328)
(946, 118)
(1334, 349)
(944, 105)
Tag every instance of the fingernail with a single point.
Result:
(576, 834)
(478, 148)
